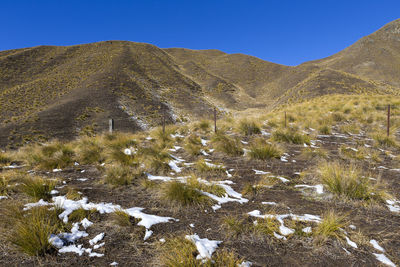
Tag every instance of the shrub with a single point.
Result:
(227, 145)
(290, 136)
(184, 194)
(349, 182)
(38, 187)
(261, 150)
(247, 127)
(330, 226)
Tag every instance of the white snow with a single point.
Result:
(279, 236)
(319, 188)
(351, 243)
(385, 260)
(353, 227)
(82, 179)
(86, 223)
(393, 205)
(245, 264)
(269, 203)
(191, 225)
(57, 170)
(147, 234)
(375, 244)
(54, 192)
(72, 248)
(41, 202)
(128, 152)
(3, 197)
(114, 263)
(174, 167)
(260, 172)
(96, 239)
(56, 241)
(99, 245)
(204, 246)
(203, 142)
(307, 230)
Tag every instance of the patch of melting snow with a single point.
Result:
(82, 179)
(279, 236)
(393, 205)
(147, 234)
(204, 246)
(86, 223)
(204, 142)
(96, 239)
(177, 135)
(307, 229)
(265, 133)
(282, 228)
(245, 264)
(284, 157)
(57, 170)
(176, 148)
(54, 192)
(347, 252)
(99, 245)
(3, 197)
(191, 225)
(244, 142)
(376, 246)
(351, 243)
(260, 172)
(385, 260)
(173, 166)
(319, 188)
(204, 152)
(114, 263)
(269, 203)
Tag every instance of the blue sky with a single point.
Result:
(285, 32)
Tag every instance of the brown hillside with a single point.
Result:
(50, 91)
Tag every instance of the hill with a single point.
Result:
(61, 92)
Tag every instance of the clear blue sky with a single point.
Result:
(285, 32)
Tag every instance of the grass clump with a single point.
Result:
(38, 187)
(206, 187)
(55, 155)
(325, 129)
(205, 167)
(80, 214)
(227, 145)
(290, 136)
(30, 230)
(89, 151)
(349, 182)
(234, 225)
(4, 159)
(155, 159)
(249, 127)
(193, 145)
(382, 140)
(121, 218)
(119, 175)
(183, 194)
(266, 226)
(262, 150)
(330, 226)
(179, 251)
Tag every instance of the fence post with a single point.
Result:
(111, 125)
(215, 120)
(388, 120)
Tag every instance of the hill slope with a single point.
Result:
(60, 92)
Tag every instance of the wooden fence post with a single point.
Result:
(215, 120)
(111, 125)
(388, 120)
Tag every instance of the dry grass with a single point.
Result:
(120, 175)
(183, 194)
(262, 150)
(38, 187)
(330, 227)
(227, 145)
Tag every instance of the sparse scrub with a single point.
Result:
(227, 145)
(349, 182)
(38, 187)
(183, 194)
(290, 136)
(193, 145)
(382, 140)
(310, 153)
(249, 127)
(234, 225)
(119, 175)
(205, 167)
(325, 129)
(262, 150)
(89, 151)
(330, 226)
(266, 226)
(30, 230)
(4, 159)
(55, 155)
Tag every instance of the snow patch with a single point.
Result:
(204, 246)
